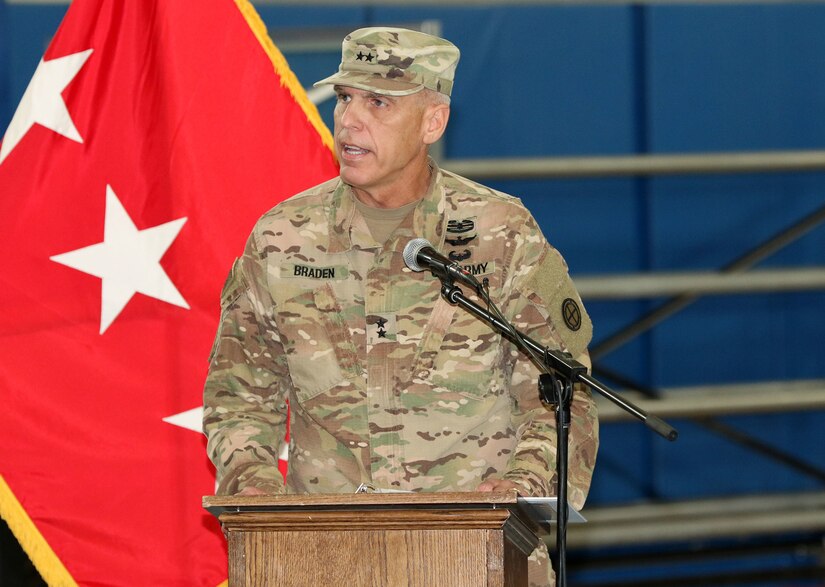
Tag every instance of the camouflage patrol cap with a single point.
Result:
(395, 62)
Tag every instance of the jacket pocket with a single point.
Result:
(316, 339)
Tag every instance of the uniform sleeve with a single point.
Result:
(544, 305)
(245, 394)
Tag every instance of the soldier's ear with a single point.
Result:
(435, 122)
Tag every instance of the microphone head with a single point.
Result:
(411, 251)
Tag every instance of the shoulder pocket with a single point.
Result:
(550, 288)
(234, 285)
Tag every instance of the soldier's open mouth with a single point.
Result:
(354, 151)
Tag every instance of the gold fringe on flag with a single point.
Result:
(288, 78)
(32, 541)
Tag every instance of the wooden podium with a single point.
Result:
(377, 539)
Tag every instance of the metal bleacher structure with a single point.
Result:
(729, 518)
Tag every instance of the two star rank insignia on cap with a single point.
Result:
(365, 57)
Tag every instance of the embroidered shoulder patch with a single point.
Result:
(571, 313)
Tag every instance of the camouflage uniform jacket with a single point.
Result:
(387, 382)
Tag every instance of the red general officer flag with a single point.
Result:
(151, 137)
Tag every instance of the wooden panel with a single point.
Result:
(315, 559)
(237, 559)
(370, 559)
(515, 561)
(455, 557)
(495, 559)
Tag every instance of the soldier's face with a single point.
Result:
(379, 139)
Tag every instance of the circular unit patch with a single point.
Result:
(571, 313)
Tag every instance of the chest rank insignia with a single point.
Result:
(381, 322)
(381, 328)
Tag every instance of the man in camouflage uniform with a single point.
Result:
(388, 384)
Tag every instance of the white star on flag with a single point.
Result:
(128, 261)
(193, 420)
(190, 419)
(42, 102)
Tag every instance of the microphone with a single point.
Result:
(419, 254)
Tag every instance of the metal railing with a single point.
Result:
(638, 165)
(668, 283)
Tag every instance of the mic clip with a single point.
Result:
(449, 290)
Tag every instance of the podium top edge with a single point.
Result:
(358, 499)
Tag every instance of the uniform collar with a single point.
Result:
(429, 220)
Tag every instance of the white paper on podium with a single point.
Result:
(543, 510)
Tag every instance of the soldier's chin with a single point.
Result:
(354, 177)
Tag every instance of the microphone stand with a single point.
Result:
(560, 373)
